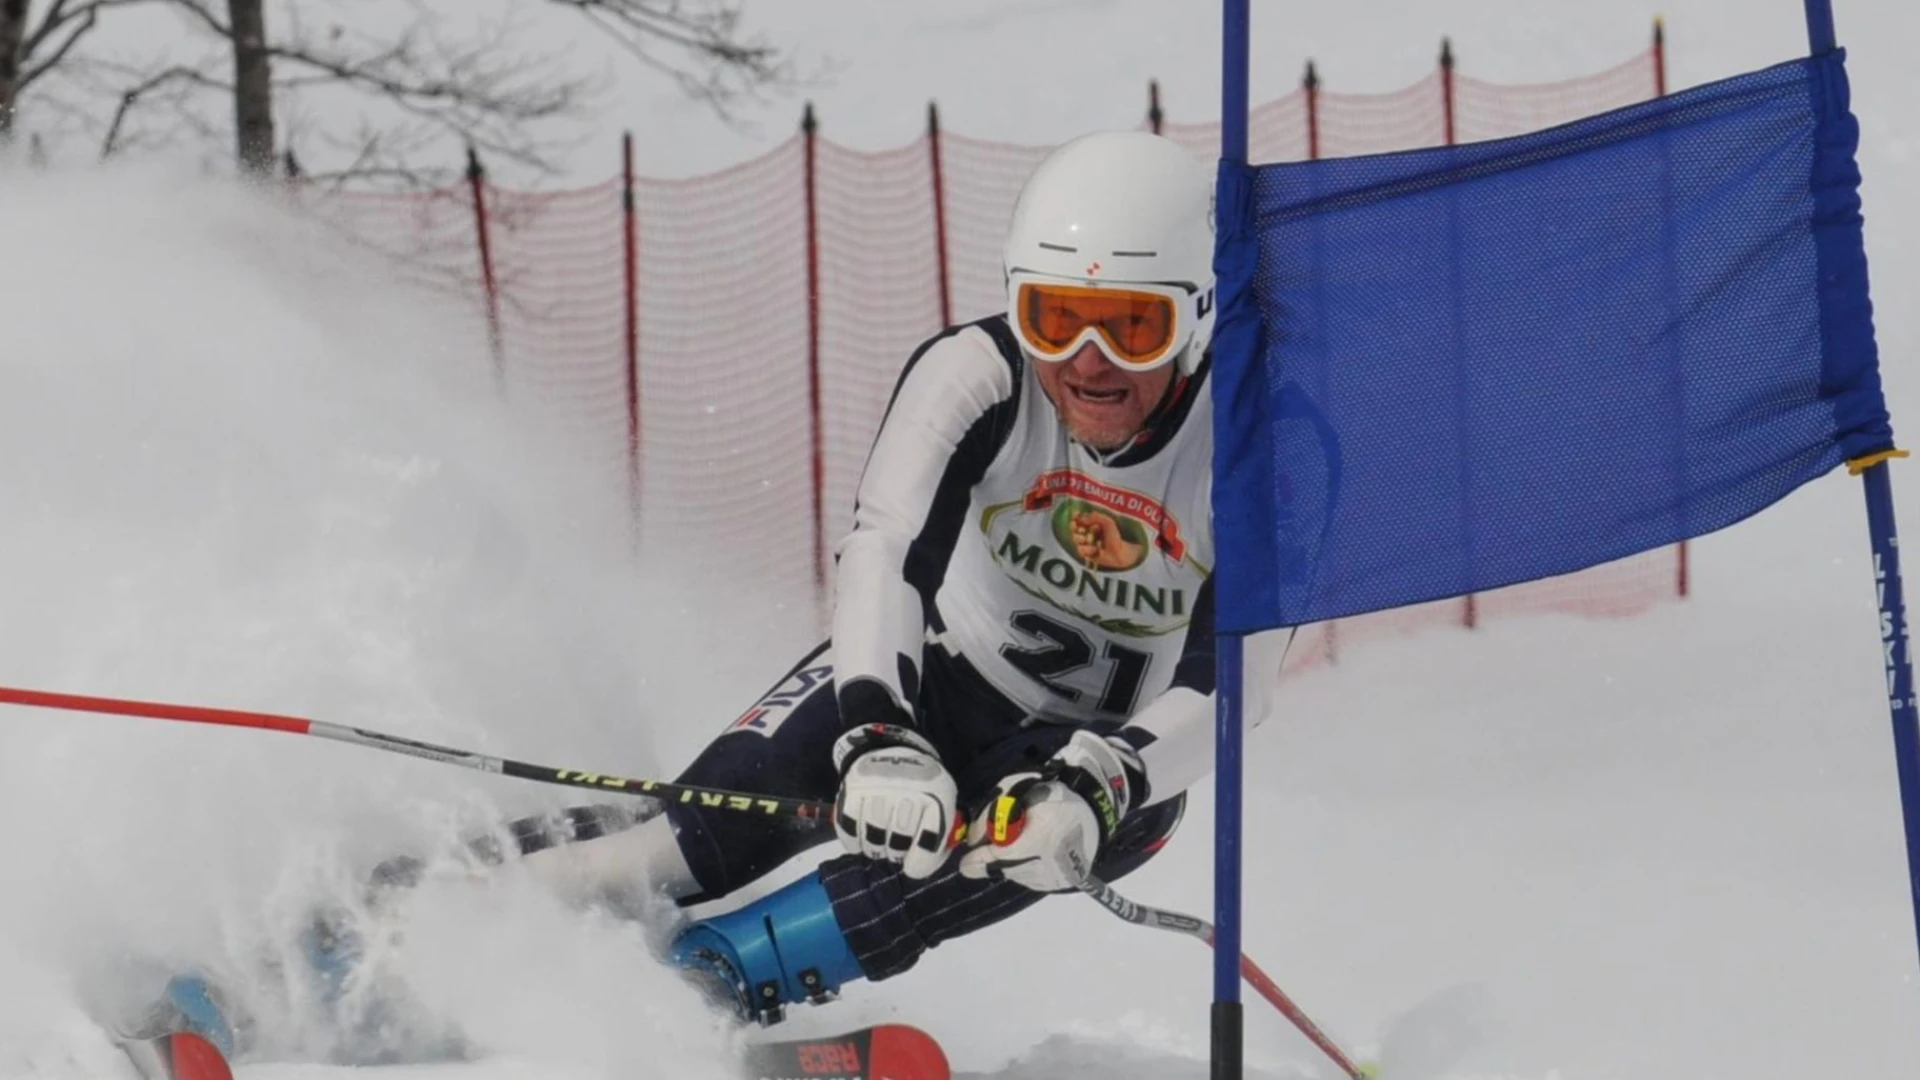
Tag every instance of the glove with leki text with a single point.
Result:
(897, 802)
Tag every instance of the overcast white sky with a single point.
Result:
(1040, 71)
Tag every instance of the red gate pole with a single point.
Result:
(631, 237)
(939, 214)
(809, 129)
(477, 182)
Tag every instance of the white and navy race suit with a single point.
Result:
(1001, 586)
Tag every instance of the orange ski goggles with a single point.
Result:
(1139, 327)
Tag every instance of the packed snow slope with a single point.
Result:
(239, 467)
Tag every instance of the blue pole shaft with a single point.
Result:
(1226, 844)
(1897, 659)
(1235, 61)
(1234, 64)
(1228, 655)
(1820, 37)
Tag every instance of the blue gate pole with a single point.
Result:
(1884, 533)
(1226, 1017)
(1226, 1020)
(1897, 659)
(1820, 37)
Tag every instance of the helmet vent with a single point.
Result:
(1044, 246)
(1136, 254)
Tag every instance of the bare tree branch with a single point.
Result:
(479, 92)
(13, 27)
(49, 22)
(130, 98)
(18, 46)
(60, 14)
(405, 97)
(724, 67)
(386, 177)
(32, 72)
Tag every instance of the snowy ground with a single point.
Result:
(1665, 847)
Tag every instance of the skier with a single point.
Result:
(1017, 687)
(1021, 654)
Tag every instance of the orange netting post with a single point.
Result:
(809, 129)
(631, 240)
(1310, 85)
(490, 286)
(1681, 570)
(1659, 57)
(1310, 96)
(939, 215)
(1470, 612)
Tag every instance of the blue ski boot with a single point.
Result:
(194, 1003)
(331, 951)
(191, 1003)
(377, 1025)
(782, 948)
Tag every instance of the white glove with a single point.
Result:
(897, 801)
(1044, 829)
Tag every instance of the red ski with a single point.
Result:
(882, 1052)
(179, 1055)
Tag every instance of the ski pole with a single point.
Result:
(1160, 919)
(703, 797)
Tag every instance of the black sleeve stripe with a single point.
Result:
(866, 701)
(995, 327)
(1195, 669)
(805, 662)
(940, 435)
(913, 362)
(932, 549)
(909, 676)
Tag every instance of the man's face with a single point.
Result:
(1104, 406)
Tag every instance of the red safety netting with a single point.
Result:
(428, 238)
(1276, 131)
(982, 181)
(777, 301)
(1486, 110)
(559, 262)
(725, 435)
(1408, 119)
(879, 298)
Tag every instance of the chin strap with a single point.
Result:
(1176, 392)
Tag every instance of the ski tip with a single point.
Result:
(906, 1053)
(178, 1055)
(194, 1058)
(881, 1052)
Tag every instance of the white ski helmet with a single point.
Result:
(1112, 242)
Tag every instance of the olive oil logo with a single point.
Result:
(1099, 533)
